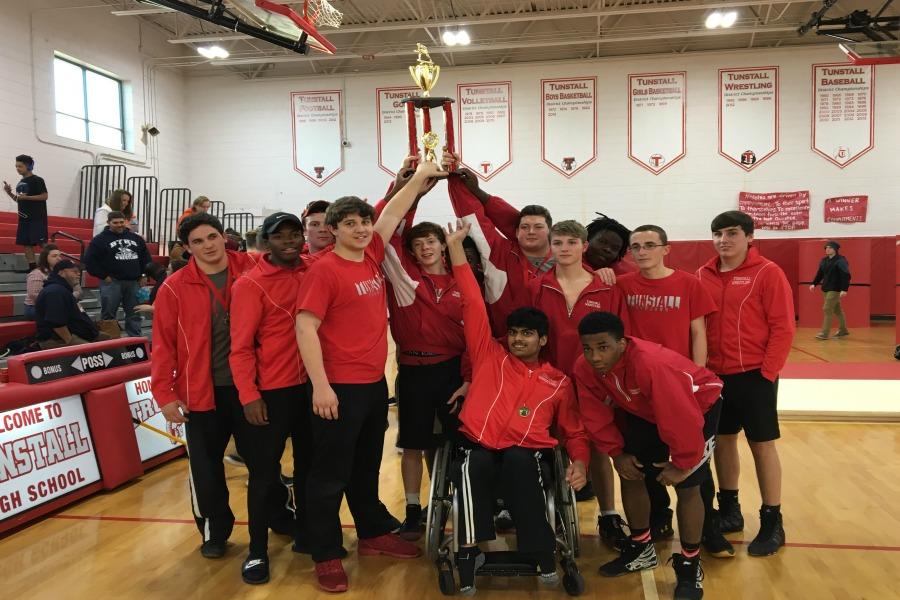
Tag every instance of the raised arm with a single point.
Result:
(476, 326)
(396, 209)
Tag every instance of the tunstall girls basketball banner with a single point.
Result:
(777, 211)
(568, 124)
(318, 133)
(843, 111)
(748, 115)
(485, 126)
(656, 116)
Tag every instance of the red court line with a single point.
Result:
(817, 357)
(584, 535)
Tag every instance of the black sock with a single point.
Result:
(546, 562)
(466, 565)
(771, 510)
(728, 494)
(689, 551)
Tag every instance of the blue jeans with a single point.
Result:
(115, 293)
(29, 313)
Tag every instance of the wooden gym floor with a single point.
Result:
(840, 506)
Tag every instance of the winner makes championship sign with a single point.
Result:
(843, 111)
(656, 115)
(318, 132)
(568, 123)
(485, 126)
(748, 115)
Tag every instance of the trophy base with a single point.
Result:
(429, 102)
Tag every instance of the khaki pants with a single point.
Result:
(832, 308)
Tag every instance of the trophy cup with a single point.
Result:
(425, 73)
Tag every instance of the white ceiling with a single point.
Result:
(381, 35)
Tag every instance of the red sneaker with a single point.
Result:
(331, 576)
(389, 544)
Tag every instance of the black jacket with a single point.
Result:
(833, 274)
(120, 256)
(56, 307)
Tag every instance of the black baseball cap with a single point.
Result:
(63, 265)
(274, 221)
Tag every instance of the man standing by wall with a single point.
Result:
(834, 275)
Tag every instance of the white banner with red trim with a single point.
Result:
(656, 119)
(843, 111)
(748, 115)
(317, 128)
(393, 135)
(485, 126)
(569, 123)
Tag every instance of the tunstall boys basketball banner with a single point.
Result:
(656, 115)
(318, 132)
(748, 115)
(777, 211)
(485, 126)
(843, 111)
(392, 133)
(568, 123)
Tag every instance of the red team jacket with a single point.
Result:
(180, 369)
(754, 325)
(564, 345)
(655, 384)
(502, 385)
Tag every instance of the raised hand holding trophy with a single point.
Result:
(425, 73)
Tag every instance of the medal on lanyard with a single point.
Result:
(524, 411)
(223, 299)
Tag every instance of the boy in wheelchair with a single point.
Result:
(513, 401)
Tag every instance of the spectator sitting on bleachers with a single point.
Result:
(234, 241)
(34, 283)
(118, 257)
(200, 204)
(157, 273)
(119, 200)
(60, 320)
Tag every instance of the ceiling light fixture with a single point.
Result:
(456, 38)
(212, 52)
(721, 19)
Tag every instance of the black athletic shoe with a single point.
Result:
(730, 518)
(689, 577)
(503, 522)
(586, 493)
(713, 541)
(661, 528)
(635, 557)
(255, 570)
(771, 534)
(213, 549)
(612, 532)
(411, 529)
(392, 401)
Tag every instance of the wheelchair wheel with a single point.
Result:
(566, 504)
(573, 582)
(438, 505)
(446, 581)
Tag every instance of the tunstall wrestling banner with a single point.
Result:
(485, 126)
(846, 209)
(568, 123)
(392, 132)
(656, 117)
(748, 115)
(843, 111)
(777, 211)
(317, 128)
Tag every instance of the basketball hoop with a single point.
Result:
(321, 12)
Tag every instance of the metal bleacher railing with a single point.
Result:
(97, 182)
(171, 203)
(242, 222)
(144, 191)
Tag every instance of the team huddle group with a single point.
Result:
(512, 332)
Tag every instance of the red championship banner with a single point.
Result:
(843, 111)
(318, 131)
(485, 126)
(656, 117)
(569, 123)
(392, 133)
(777, 211)
(748, 115)
(846, 209)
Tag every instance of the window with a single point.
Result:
(88, 105)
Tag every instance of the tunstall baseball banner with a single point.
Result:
(843, 111)
(485, 126)
(393, 136)
(318, 133)
(45, 453)
(569, 123)
(748, 115)
(846, 209)
(656, 117)
(144, 408)
(777, 211)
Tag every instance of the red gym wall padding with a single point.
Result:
(113, 433)
(857, 303)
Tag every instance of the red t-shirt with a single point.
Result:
(349, 298)
(661, 310)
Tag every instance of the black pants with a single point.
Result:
(347, 454)
(261, 447)
(516, 475)
(302, 446)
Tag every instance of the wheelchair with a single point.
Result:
(441, 544)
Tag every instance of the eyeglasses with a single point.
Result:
(648, 246)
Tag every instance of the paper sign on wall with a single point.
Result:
(843, 117)
(317, 133)
(144, 408)
(846, 209)
(393, 136)
(485, 126)
(45, 453)
(748, 115)
(656, 119)
(777, 211)
(568, 123)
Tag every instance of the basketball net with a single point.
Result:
(321, 12)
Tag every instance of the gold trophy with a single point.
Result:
(425, 73)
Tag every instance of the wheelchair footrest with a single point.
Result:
(506, 564)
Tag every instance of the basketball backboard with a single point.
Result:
(872, 53)
(284, 21)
